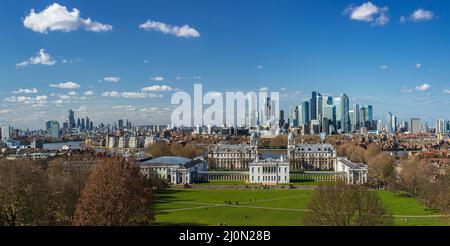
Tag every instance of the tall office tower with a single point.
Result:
(447, 126)
(53, 129)
(329, 100)
(7, 133)
(329, 112)
(416, 125)
(305, 113)
(404, 126)
(71, 119)
(394, 123)
(366, 115)
(315, 105)
(440, 126)
(389, 128)
(295, 117)
(281, 120)
(345, 108)
(120, 123)
(78, 123)
(91, 126)
(83, 125)
(357, 122)
(252, 111)
(337, 102)
(88, 123)
(352, 115)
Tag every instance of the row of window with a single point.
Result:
(269, 178)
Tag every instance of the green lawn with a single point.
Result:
(263, 207)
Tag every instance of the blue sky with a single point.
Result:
(392, 54)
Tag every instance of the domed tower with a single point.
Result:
(291, 144)
(291, 140)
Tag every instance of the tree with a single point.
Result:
(159, 149)
(412, 175)
(381, 171)
(23, 193)
(115, 194)
(346, 205)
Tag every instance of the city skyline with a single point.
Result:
(130, 66)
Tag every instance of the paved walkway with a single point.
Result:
(242, 205)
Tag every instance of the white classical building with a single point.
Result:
(269, 171)
(355, 173)
(311, 156)
(174, 169)
(233, 156)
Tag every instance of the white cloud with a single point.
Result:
(418, 16)
(178, 78)
(157, 78)
(384, 67)
(26, 91)
(406, 90)
(72, 93)
(66, 85)
(124, 107)
(418, 65)
(264, 89)
(423, 87)
(198, 77)
(259, 67)
(158, 88)
(88, 93)
(179, 31)
(130, 95)
(113, 79)
(33, 101)
(57, 18)
(41, 58)
(422, 15)
(446, 91)
(368, 12)
(5, 111)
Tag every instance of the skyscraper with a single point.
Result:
(6, 133)
(345, 117)
(440, 126)
(389, 128)
(71, 119)
(281, 121)
(416, 125)
(315, 105)
(305, 113)
(53, 129)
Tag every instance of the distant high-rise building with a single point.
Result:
(120, 123)
(281, 120)
(295, 117)
(345, 117)
(389, 123)
(88, 123)
(329, 112)
(53, 129)
(440, 126)
(71, 119)
(305, 113)
(7, 133)
(416, 125)
(315, 105)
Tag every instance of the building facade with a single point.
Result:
(269, 171)
(310, 156)
(355, 173)
(233, 157)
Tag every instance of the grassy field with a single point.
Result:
(265, 207)
(243, 183)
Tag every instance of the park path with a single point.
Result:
(212, 205)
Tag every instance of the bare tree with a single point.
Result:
(345, 205)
